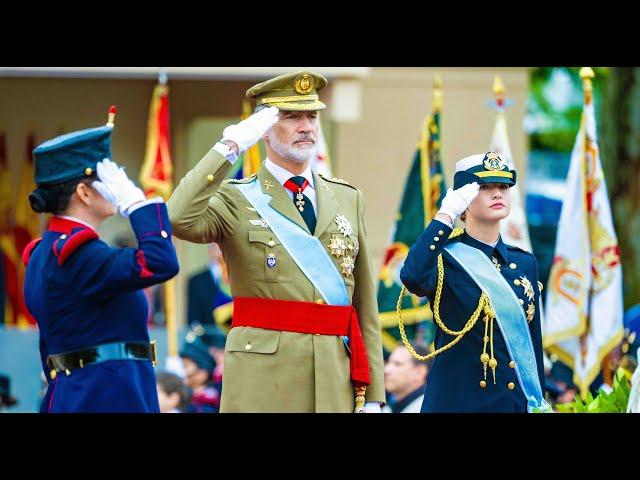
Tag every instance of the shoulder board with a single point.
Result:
(66, 244)
(513, 247)
(28, 250)
(337, 180)
(248, 179)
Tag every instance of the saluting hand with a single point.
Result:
(249, 131)
(457, 201)
(115, 186)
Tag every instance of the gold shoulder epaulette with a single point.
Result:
(456, 232)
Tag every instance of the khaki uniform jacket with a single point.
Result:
(280, 371)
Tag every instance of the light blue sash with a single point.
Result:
(510, 318)
(306, 250)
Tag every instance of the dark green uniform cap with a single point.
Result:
(296, 91)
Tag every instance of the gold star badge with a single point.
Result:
(528, 288)
(531, 311)
(353, 246)
(337, 247)
(347, 266)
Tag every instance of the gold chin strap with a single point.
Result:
(484, 305)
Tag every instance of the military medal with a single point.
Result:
(528, 288)
(353, 246)
(531, 311)
(344, 227)
(271, 260)
(347, 266)
(337, 247)
(495, 263)
(300, 200)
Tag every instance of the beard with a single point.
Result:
(298, 154)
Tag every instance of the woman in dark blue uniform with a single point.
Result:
(86, 296)
(485, 299)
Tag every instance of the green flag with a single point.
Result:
(421, 199)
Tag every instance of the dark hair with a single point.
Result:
(55, 198)
(170, 383)
(463, 216)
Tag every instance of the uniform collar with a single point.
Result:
(487, 249)
(282, 174)
(65, 224)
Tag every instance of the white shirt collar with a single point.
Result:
(282, 174)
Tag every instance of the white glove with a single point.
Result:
(457, 201)
(115, 186)
(372, 407)
(249, 131)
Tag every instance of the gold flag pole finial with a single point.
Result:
(437, 92)
(586, 74)
(111, 116)
(498, 91)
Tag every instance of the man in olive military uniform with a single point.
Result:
(485, 296)
(305, 333)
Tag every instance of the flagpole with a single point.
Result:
(425, 161)
(169, 285)
(586, 75)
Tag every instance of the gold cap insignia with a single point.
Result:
(303, 84)
(493, 161)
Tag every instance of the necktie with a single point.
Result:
(301, 201)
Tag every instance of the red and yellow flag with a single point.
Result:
(157, 169)
(15, 234)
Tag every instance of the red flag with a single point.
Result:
(157, 169)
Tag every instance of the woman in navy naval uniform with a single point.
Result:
(484, 295)
(85, 295)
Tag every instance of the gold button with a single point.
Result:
(53, 374)
(88, 171)
(317, 334)
(210, 178)
(164, 234)
(320, 301)
(63, 236)
(512, 364)
(432, 247)
(440, 232)
(483, 384)
(271, 243)
(512, 265)
(436, 238)
(247, 346)
(516, 282)
(521, 301)
(511, 385)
